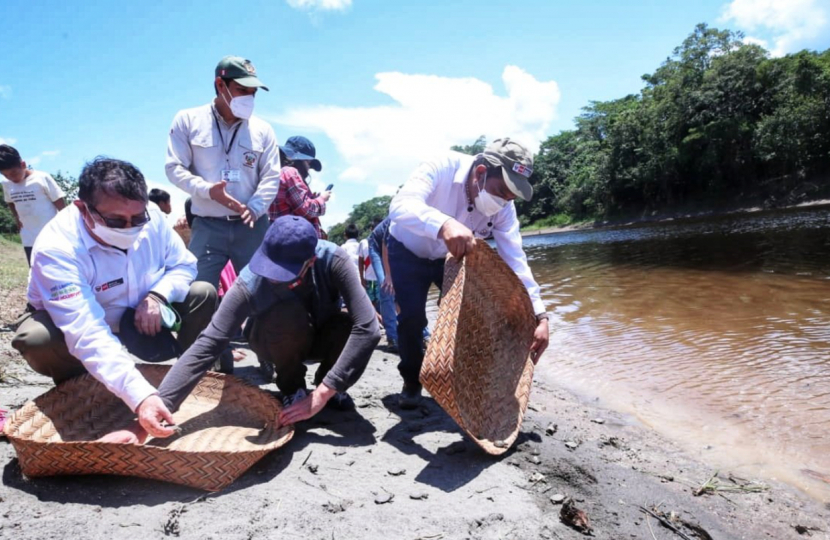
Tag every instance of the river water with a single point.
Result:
(714, 332)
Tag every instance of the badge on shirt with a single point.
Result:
(230, 175)
(249, 159)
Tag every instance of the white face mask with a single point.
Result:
(241, 106)
(488, 204)
(120, 238)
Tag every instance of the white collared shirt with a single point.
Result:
(436, 192)
(352, 249)
(86, 286)
(196, 158)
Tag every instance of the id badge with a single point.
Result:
(230, 175)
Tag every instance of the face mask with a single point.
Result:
(488, 204)
(241, 106)
(120, 238)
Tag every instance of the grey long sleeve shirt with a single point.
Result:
(240, 302)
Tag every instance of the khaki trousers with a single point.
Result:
(43, 345)
(287, 337)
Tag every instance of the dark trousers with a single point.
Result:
(286, 337)
(412, 277)
(43, 345)
(28, 251)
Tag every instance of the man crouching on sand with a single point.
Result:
(107, 274)
(291, 290)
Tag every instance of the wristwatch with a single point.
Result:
(541, 316)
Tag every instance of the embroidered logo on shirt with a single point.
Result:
(250, 159)
(64, 291)
(109, 285)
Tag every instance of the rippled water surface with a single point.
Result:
(714, 332)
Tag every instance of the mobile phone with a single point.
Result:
(328, 188)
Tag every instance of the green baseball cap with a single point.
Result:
(239, 69)
(516, 165)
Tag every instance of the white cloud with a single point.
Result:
(789, 24)
(320, 5)
(8, 140)
(5, 91)
(35, 161)
(381, 145)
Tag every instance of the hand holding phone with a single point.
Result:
(329, 187)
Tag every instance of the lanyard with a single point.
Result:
(227, 149)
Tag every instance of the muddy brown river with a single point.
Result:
(714, 332)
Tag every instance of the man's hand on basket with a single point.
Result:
(151, 412)
(541, 337)
(459, 239)
(131, 435)
(307, 407)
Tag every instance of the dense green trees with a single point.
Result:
(718, 124)
(362, 215)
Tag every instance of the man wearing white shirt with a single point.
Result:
(94, 263)
(444, 206)
(228, 161)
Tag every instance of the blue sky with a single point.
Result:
(377, 84)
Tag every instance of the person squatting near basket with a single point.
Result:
(291, 291)
(443, 207)
(294, 197)
(33, 197)
(107, 274)
(228, 161)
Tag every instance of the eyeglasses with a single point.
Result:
(119, 223)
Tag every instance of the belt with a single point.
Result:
(222, 218)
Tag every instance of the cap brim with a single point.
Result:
(518, 184)
(251, 82)
(299, 156)
(261, 265)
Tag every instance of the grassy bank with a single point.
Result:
(13, 268)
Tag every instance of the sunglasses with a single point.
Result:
(119, 223)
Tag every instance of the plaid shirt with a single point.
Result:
(294, 198)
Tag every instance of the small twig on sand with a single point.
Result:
(665, 523)
(431, 537)
(713, 485)
(648, 522)
(306, 459)
(480, 491)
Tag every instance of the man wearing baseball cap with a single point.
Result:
(227, 160)
(291, 291)
(446, 205)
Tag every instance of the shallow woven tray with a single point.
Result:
(477, 365)
(227, 426)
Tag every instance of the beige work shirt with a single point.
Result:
(197, 153)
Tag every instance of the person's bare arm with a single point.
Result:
(60, 204)
(16, 217)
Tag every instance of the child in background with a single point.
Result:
(33, 196)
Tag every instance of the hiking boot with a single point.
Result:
(410, 397)
(341, 401)
(392, 346)
(291, 399)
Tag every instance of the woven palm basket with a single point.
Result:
(227, 426)
(477, 365)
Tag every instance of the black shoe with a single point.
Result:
(341, 401)
(224, 364)
(391, 346)
(410, 397)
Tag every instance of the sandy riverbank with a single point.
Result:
(381, 472)
(663, 218)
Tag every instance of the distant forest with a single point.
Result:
(719, 124)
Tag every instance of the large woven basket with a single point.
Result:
(477, 365)
(227, 426)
